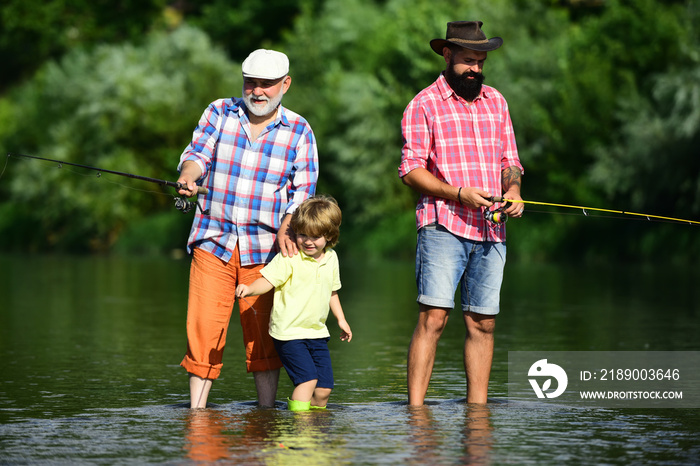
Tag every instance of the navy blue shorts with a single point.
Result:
(306, 360)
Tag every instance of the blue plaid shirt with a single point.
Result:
(252, 184)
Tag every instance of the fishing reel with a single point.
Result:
(497, 216)
(184, 205)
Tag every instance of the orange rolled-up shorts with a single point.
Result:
(212, 295)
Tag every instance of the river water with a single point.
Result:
(90, 347)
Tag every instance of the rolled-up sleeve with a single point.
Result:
(417, 139)
(201, 149)
(509, 153)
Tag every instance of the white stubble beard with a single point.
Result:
(265, 110)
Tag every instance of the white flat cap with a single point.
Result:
(265, 64)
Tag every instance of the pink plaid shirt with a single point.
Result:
(252, 184)
(462, 145)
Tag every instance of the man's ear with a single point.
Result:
(286, 83)
(447, 54)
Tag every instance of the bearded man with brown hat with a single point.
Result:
(459, 152)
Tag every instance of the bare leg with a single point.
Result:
(266, 386)
(478, 355)
(320, 397)
(199, 391)
(422, 350)
(304, 391)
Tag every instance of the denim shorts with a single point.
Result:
(306, 360)
(443, 260)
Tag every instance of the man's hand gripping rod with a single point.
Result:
(497, 216)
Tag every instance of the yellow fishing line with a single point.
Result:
(647, 216)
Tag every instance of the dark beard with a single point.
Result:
(468, 89)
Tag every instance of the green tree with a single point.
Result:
(613, 87)
(33, 31)
(565, 74)
(357, 72)
(603, 100)
(360, 69)
(651, 165)
(123, 108)
(245, 25)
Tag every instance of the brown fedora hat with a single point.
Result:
(467, 34)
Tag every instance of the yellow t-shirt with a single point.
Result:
(303, 288)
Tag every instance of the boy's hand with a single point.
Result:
(286, 240)
(242, 291)
(346, 333)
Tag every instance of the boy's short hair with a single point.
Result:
(318, 216)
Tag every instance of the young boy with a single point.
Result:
(306, 285)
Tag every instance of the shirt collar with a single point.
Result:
(306, 257)
(281, 116)
(446, 92)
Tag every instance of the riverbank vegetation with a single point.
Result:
(604, 97)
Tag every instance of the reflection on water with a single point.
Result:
(90, 347)
(445, 432)
(205, 439)
(252, 434)
(477, 438)
(428, 441)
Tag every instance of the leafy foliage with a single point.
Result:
(119, 108)
(358, 71)
(604, 99)
(36, 30)
(247, 25)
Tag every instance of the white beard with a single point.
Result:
(261, 111)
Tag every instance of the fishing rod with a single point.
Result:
(501, 218)
(181, 203)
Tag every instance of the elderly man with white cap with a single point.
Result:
(258, 161)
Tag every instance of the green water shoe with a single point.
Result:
(296, 405)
